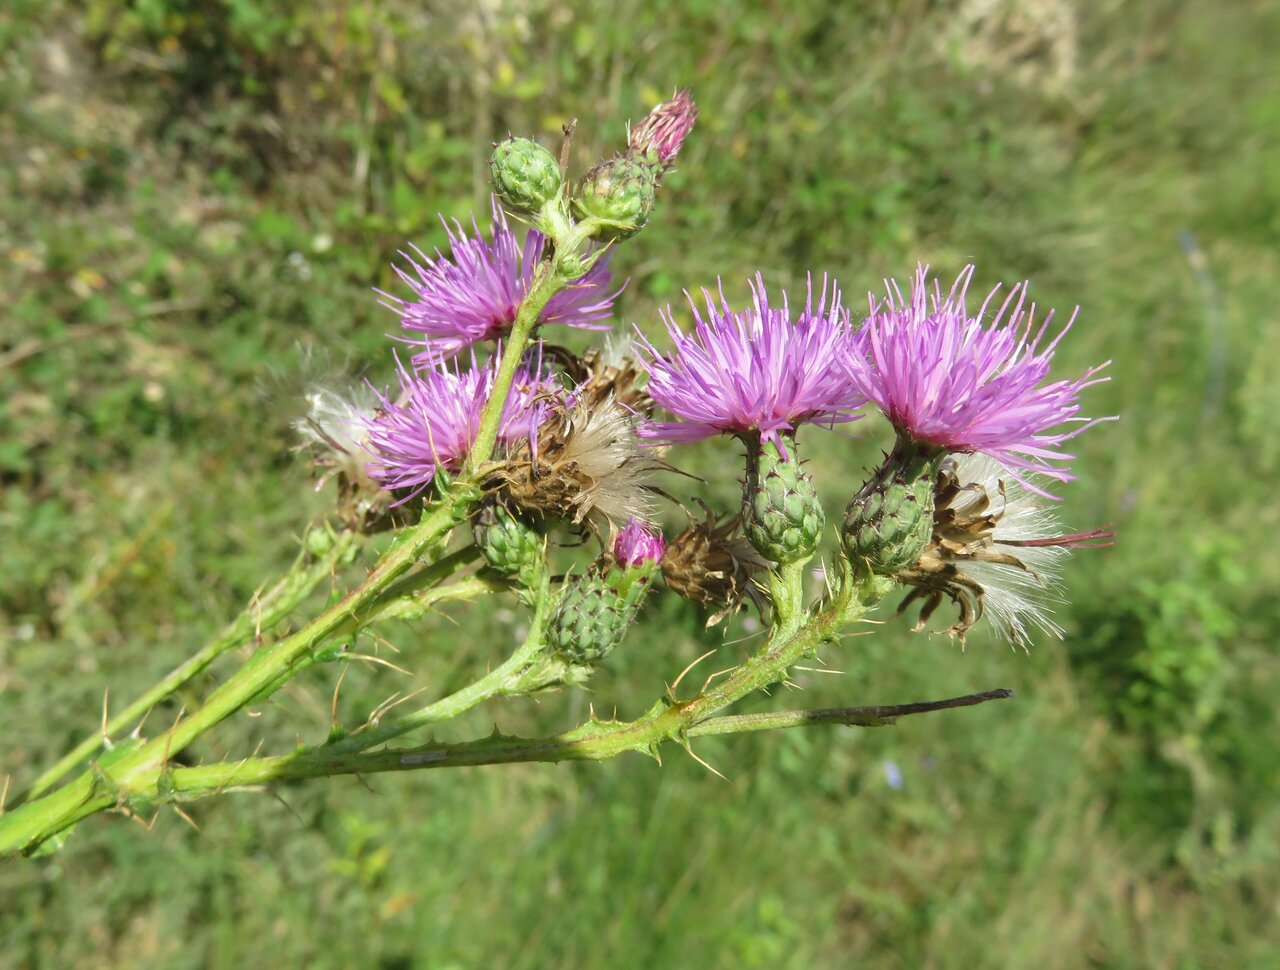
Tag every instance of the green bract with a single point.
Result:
(620, 193)
(525, 175)
(890, 521)
(784, 519)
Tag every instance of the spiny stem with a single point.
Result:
(37, 820)
(143, 768)
(587, 743)
(265, 612)
(501, 680)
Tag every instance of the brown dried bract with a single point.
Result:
(709, 564)
(965, 521)
(599, 377)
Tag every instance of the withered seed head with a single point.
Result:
(616, 377)
(587, 460)
(332, 434)
(603, 374)
(992, 546)
(709, 564)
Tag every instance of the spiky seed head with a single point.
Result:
(526, 176)
(996, 549)
(781, 512)
(620, 192)
(889, 522)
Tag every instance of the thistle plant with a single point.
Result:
(497, 457)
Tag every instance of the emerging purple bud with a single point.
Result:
(664, 129)
(638, 545)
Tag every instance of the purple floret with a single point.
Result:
(434, 421)
(473, 293)
(945, 378)
(638, 544)
(664, 129)
(752, 371)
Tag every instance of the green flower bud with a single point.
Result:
(594, 614)
(620, 192)
(509, 544)
(319, 541)
(888, 524)
(782, 517)
(525, 175)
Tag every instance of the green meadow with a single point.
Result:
(197, 200)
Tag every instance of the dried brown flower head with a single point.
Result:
(994, 548)
(604, 374)
(586, 460)
(711, 565)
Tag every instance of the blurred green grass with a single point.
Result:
(193, 190)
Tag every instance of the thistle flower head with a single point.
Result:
(433, 422)
(664, 129)
(996, 550)
(946, 379)
(638, 544)
(473, 293)
(754, 371)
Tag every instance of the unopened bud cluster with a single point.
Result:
(616, 195)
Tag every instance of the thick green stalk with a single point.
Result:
(669, 719)
(265, 612)
(142, 770)
(545, 285)
(568, 260)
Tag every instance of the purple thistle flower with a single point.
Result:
(664, 129)
(473, 294)
(436, 418)
(638, 545)
(946, 379)
(752, 371)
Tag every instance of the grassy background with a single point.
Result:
(190, 191)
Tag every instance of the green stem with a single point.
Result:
(265, 612)
(670, 719)
(567, 260)
(143, 769)
(507, 678)
(546, 283)
(587, 743)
